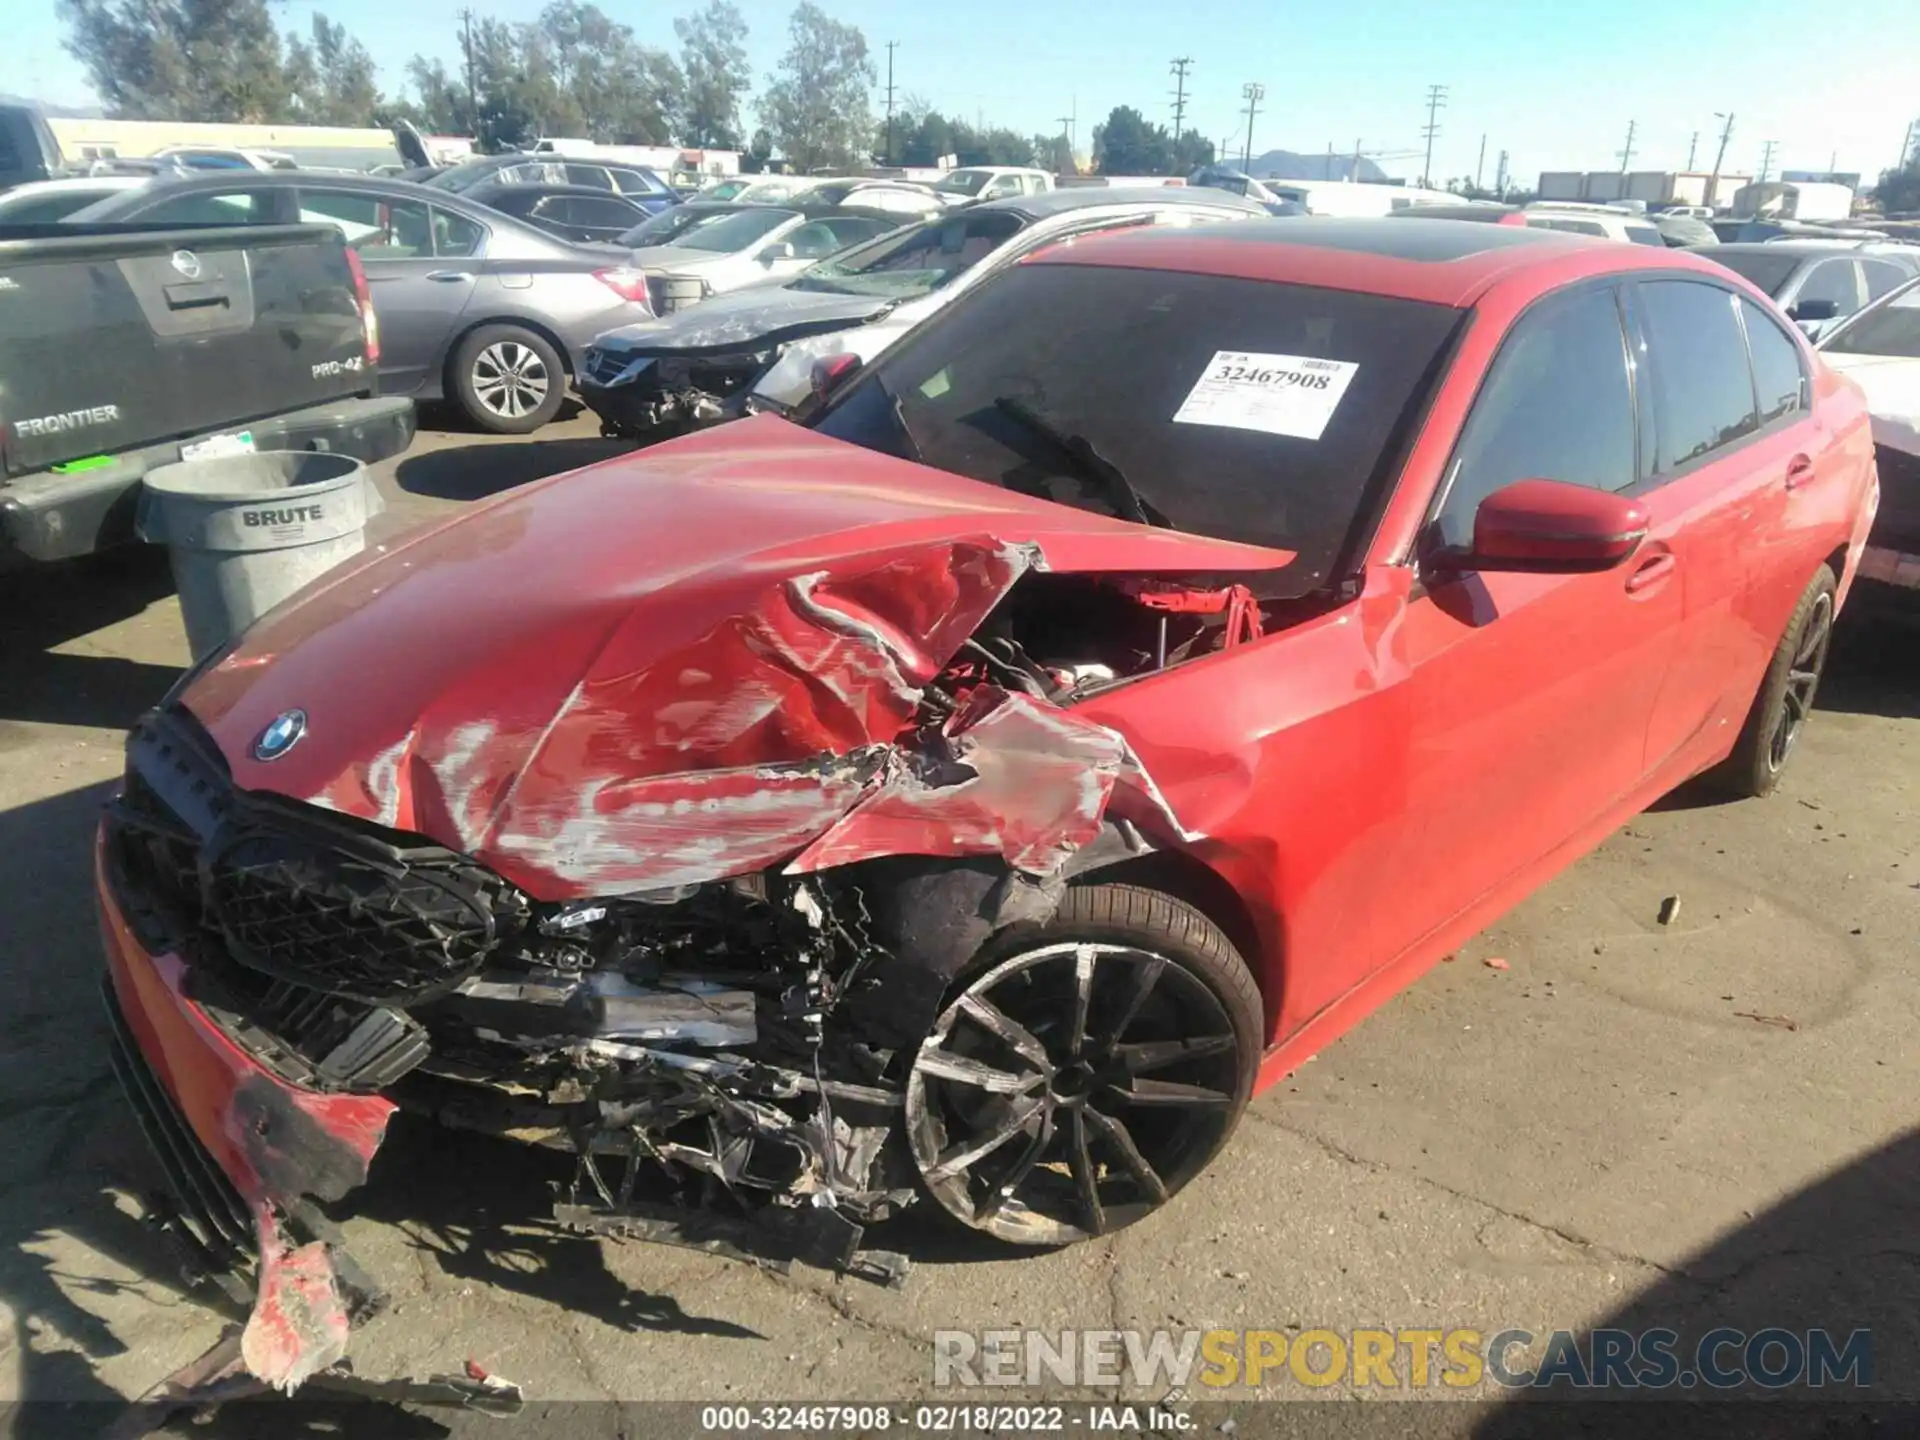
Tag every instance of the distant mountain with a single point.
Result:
(1291, 165)
(47, 107)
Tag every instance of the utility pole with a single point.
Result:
(1480, 165)
(1328, 173)
(1720, 156)
(1626, 153)
(1253, 93)
(1436, 100)
(466, 41)
(1906, 145)
(1354, 173)
(1180, 67)
(1692, 145)
(1766, 160)
(892, 45)
(1500, 177)
(1067, 123)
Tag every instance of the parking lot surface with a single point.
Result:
(1626, 1122)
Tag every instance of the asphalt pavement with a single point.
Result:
(1624, 1123)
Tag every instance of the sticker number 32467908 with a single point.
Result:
(1279, 394)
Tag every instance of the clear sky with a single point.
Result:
(1553, 83)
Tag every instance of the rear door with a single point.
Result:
(1529, 694)
(421, 263)
(1836, 280)
(1715, 490)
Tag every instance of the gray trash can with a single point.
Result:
(246, 531)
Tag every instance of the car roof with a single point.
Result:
(1442, 262)
(1079, 197)
(537, 187)
(1808, 247)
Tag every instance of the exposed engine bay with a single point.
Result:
(726, 1059)
(676, 392)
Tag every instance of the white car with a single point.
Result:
(1879, 350)
(990, 182)
(42, 202)
(1605, 222)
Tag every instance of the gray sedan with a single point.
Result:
(1819, 283)
(473, 306)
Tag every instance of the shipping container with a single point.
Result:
(1604, 185)
(1562, 184)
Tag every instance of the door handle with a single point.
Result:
(1799, 471)
(1652, 572)
(448, 277)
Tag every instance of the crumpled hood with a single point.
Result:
(753, 317)
(671, 666)
(680, 260)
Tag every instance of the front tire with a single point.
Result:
(508, 380)
(1083, 1071)
(1781, 709)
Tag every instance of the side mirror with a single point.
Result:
(829, 371)
(1555, 527)
(781, 251)
(1815, 310)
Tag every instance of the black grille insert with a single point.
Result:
(384, 927)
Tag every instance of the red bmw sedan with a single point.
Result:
(970, 799)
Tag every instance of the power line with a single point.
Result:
(1766, 159)
(1626, 151)
(1180, 67)
(892, 45)
(1436, 101)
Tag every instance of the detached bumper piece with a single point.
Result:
(644, 396)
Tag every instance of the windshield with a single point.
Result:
(912, 262)
(963, 182)
(463, 176)
(733, 232)
(725, 190)
(1239, 409)
(1892, 328)
(1768, 271)
(668, 225)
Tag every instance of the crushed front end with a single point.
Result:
(648, 396)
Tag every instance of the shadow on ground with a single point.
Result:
(473, 472)
(45, 606)
(1873, 669)
(1839, 1256)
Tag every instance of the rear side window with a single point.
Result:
(454, 236)
(1777, 377)
(239, 208)
(1882, 277)
(635, 182)
(589, 175)
(1703, 390)
(1557, 405)
(1645, 235)
(607, 214)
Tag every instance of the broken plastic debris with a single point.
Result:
(1669, 909)
(1494, 962)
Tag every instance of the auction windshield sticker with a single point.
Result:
(1279, 394)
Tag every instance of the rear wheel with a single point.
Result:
(508, 380)
(1781, 709)
(1087, 1070)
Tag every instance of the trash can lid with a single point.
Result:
(238, 479)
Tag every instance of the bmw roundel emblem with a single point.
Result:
(280, 736)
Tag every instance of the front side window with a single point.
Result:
(1242, 409)
(1702, 390)
(1556, 405)
(1765, 270)
(1777, 375)
(590, 175)
(400, 230)
(1889, 329)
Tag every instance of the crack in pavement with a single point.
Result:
(1579, 1242)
